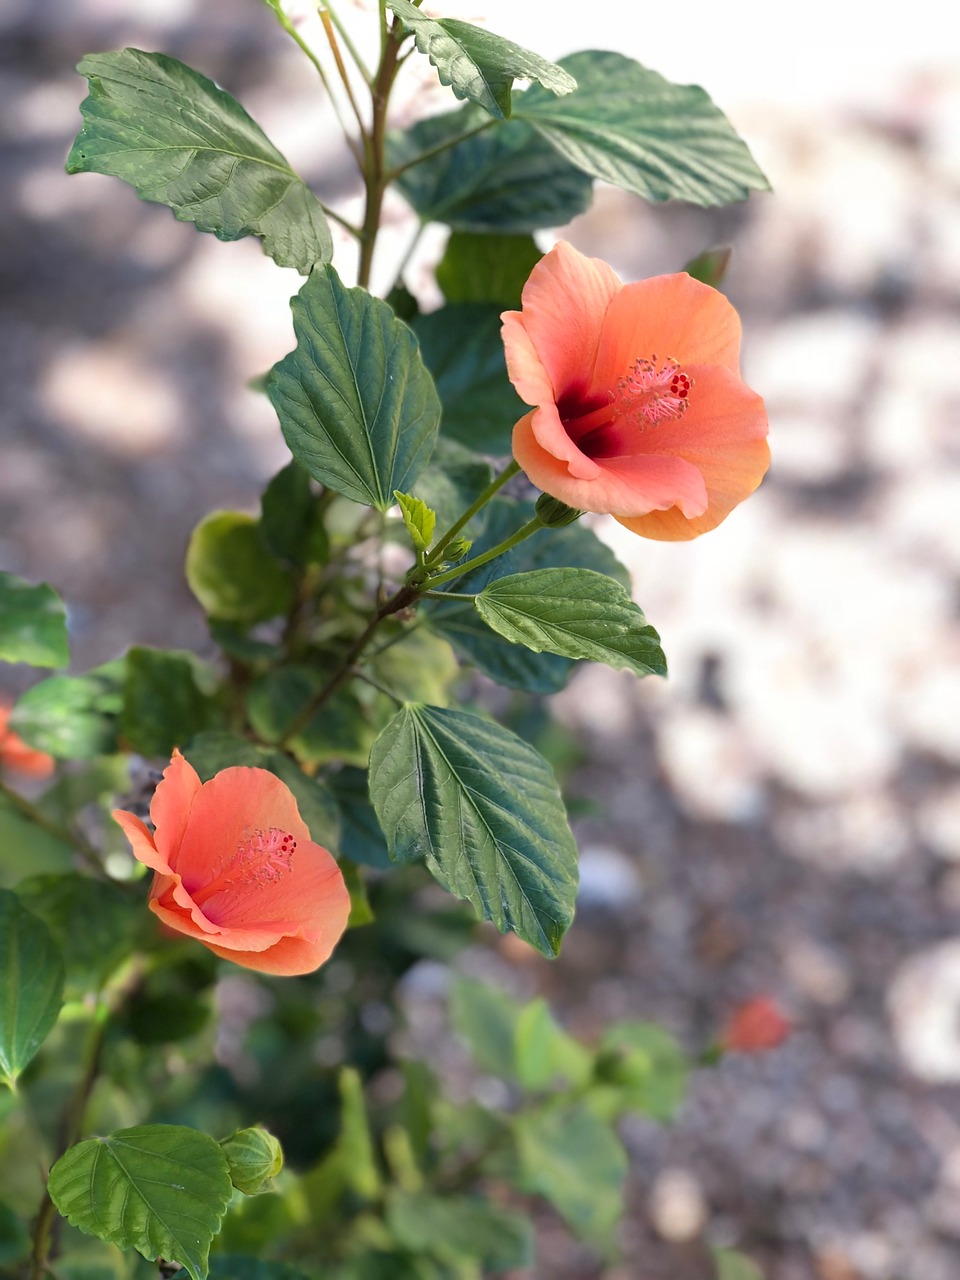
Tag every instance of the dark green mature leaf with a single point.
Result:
(166, 700)
(630, 126)
(461, 1227)
(483, 809)
(94, 922)
(33, 624)
(211, 752)
(14, 1237)
(340, 730)
(576, 1162)
(73, 717)
(31, 985)
(161, 1189)
(574, 612)
(291, 522)
(458, 621)
(254, 1157)
(486, 268)
(734, 1266)
(357, 406)
(181, 141)
(23, 845)
(232, 573)
(238, 1266)
(455, 477)
(475, 63)
(507, 180)
(462, 348)
(362, 840)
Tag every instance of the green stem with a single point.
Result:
(348, 43)
(328, 27)
(500, 549)
(392, 174)
(347, 226)
(495, 485)
(365, 676)
(375, 145)
(399, 600)
(39, 819)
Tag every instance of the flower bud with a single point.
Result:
(554, 514)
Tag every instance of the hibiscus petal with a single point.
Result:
(723, 434)
(286, 958)
(171, 806)
(141, 838)
(564, 302)
(552, 435)
(622, 486)
(524, 368)
(670, 317)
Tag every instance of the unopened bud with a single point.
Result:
(554, 514)
(457, 549)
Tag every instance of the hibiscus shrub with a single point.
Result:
(336, 763)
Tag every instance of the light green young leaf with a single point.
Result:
(161, 1189)
(734, 1266)
(418, 518)
(31, 985)
(73, 717)
(231, 572)
(475, 63)
(254, 1158)
(33, 624)
(645, 1067)
(544, 1051)
(628, 125)
(181, 141)
(576, 613)
(576, 1162)
(486, 268)
(355, 1143)
(507, 180)
(486, 1018)
(357, 406)
(454, 1227)
(483, 809)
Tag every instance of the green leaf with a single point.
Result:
(254, 1158)
(486, 1018)
(419, 668)
(545, 1052)
(161, 1189)
(420, 521)
(483, 809)
(362, 840)
(231, 572)
(574, 612)
(181, 141)
(33, 624)
(646, 1067)
(462, 348)
(166, 700)
(291, 521)
(357, 406)
(340, 730)
(455, 477)
(452, 1227)
(14, 1237)
(475, 63)
(508, 180)
(73, 717)
(577, 1163)
(94, 922)
(628, 125)
(31, 985)
(734, 1266)
(211, 752)
(710, 266)
(24, 845)
(486, 268)
(355, 1143)
(460, 623)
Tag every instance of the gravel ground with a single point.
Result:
(784, 813)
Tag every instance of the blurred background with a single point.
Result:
(783, 814)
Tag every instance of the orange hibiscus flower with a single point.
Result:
(641, 412)
(235, 868)
(17, 756)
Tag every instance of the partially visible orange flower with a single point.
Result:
(755, 1026)
(17, 756)
(235, 868)
(641, 412)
